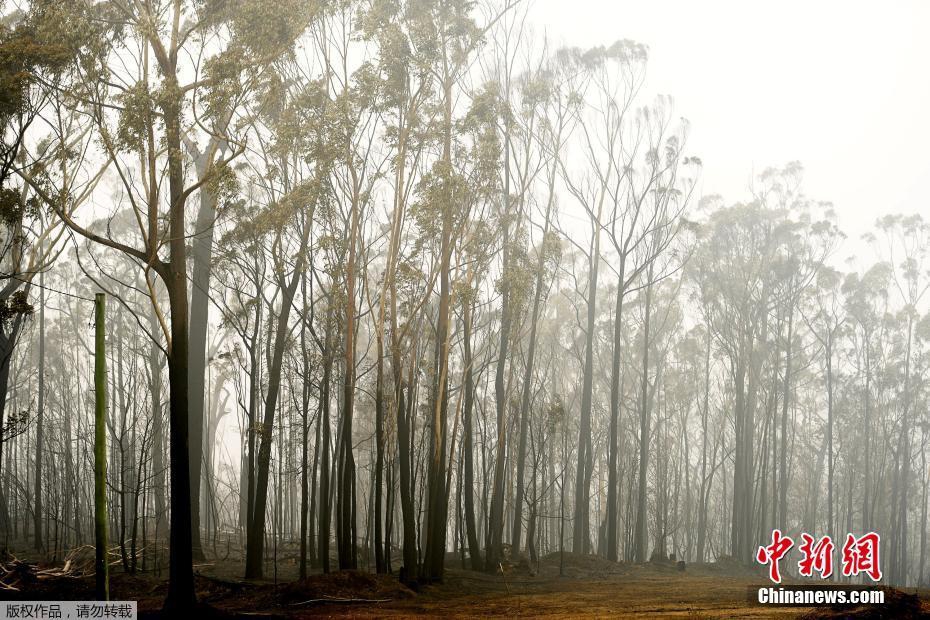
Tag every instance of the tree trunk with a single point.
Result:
(325, 447)
(40, 418)
(580, 535)
(496, 520)
(468, 441)
(616, 386)
(829, 353)
(437, 501)
(181, 593)
(305, 433)
(702, 510)
(347, 543)
(639, 541)
(101, 544)
(202, 257)
(380, 565)
(783, 457)
(7, 344)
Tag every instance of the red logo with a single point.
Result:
(860, 555)
(817, 556)
(773, 553)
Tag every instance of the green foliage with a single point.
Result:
(536, 90)
(259, 29)
(551, 248)
(519, 278)
(28, 49)
(137, 104)
(440, 190)
(268, 28)
(443, 29)
(623, 51)
(15, 306)
(223, 74)
(304, 121)
(262, 33)
(76, 37)
(31, 54)
(485, 149)
(922, 328)
(12, 208)
(223, 184)
(555, 415)
(277, 216)
(464, 293)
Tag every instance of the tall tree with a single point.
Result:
(166, 32)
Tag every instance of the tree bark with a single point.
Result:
(40, 419)
(468, 441)
(639, 541)
(580, 534)
(181, 593)
(527, 390)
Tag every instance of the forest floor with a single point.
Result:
(588, 587)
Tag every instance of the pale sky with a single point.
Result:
(842, 87)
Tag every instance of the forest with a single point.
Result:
(407, 288)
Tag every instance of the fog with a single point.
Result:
(835, 85)
(440, 304)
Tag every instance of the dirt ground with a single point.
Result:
(590, 587)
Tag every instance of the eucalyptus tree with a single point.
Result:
(660, 319)
(475, 254)
(240, 273)
(139, 54)
(632, 207)
(813, 237)
(589, 189)
(648, 201)
(358, 165)
(456, 190)
(905, 242)
(512, 66)
(732, 269)
(866, 297)
(405, 97)
(922, 338)
(215, 118)
(700, 337)
(452, 34)
(826, 321)
(534, 128)
(549, 112)
(451, 31)
(756, 261)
